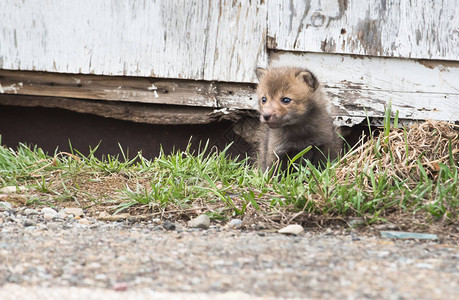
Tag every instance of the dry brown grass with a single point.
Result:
(400, 153)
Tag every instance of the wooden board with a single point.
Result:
(203, 40)
(409, 29)
(364, 85)
(130, 89)
(128, 111)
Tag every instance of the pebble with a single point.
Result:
(235, 223)
(201, 221)
(120, 286)
(48, 210)
(105, 216)
(292, 229)
(385, 226)
(48, 216)
(53, 225)
(100, 277)
(168, 225)
(76, 211)
(356, 222)
(11, 189)
(30, 211)
(28, 223)
(62, 214)
(83, 221)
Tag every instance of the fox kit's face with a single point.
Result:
(284, 95)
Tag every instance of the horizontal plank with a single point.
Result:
(129, 89)
(351, 105)
(376, 73)
(358, 86)
(128, 111)
(201, 40)
(409, 29)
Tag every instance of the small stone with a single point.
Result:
(235, 223)
(120, 286)
(48, 210)
(48, 213)
(9, 189)
(105, 216)
(6, 206)
(424, 266)
(386, 226)
(76, 211)
(100, 277)
(292, 229)
(356, 222)
(94, 265)
(28, 223)
(202, 221)
(62, 214)
(30, 212)
(53, 225)
(48, 216)
(168, 225)
(83, 221)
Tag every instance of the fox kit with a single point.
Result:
(294, 115)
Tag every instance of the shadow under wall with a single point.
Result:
(51, 128)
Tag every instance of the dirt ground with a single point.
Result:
(75, 258)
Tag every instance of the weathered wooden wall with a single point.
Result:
(203, 54)
(426, 29)
(208, 40)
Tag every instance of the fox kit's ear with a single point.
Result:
(260, 73)
(309, 78)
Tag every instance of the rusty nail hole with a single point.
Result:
(343, 31)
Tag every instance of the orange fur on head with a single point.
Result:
(276, 84)
(294, 114)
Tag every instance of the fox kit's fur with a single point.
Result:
(294, 114)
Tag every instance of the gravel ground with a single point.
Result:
(45, 256)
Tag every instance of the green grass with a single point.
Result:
(223, 187)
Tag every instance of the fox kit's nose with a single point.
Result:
(266, 116)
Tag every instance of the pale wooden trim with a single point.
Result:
(129, 89)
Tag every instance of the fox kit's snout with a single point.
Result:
(294, 114)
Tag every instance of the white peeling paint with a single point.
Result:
(205, 40)
(11, 88)
(410, 29)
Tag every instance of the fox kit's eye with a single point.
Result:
(263, 100)
(286, 100)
